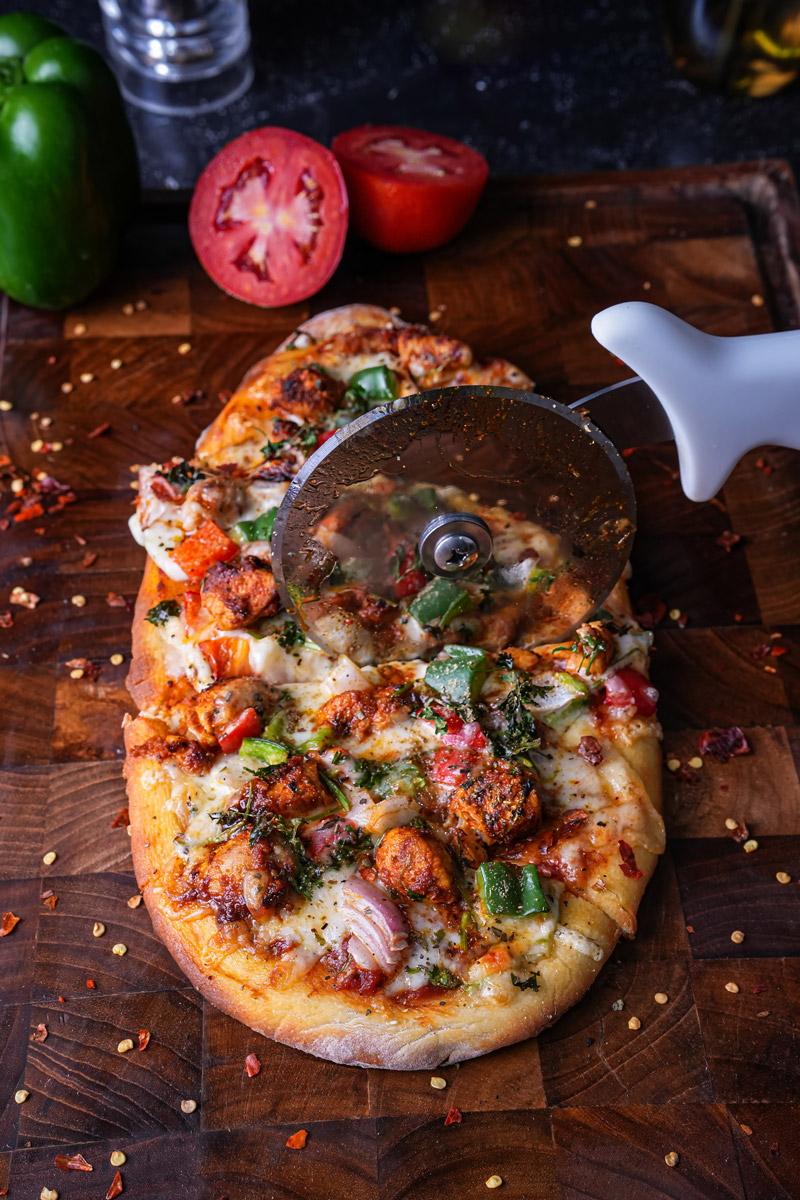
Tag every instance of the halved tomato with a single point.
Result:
(268, 217)
(409, 190)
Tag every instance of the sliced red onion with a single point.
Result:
(376, 921)
(361, 955)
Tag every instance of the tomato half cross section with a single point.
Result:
(268, 217)
(409, 190)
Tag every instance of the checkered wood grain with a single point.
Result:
(591, 1108)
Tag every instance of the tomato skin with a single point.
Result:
(324, 437)
(452, 765)
(200, 550)
(469, 735)
(190, 604)
(409, 584)
(406, 213)
(247, 724)
(268, 217)
(628, 687)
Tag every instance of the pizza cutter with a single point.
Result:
(487, 515)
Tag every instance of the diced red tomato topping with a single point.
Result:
(410, 583)
(452, 765)
(627, 688)
(324, 437)
(191, 608)
(198, 552)
(247, 724)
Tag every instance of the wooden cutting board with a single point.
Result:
(591, 1108)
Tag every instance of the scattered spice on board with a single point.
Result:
(116, 1187)
(144, 1038)
(453, 1117)
(724, 744)
(40, 1033)
(628, 861)
(90, 670)
(72, 1162)
(8, 923)
(252, 1065)
(728, 539)
(114, 600)
(298, 1140)
(121, 818)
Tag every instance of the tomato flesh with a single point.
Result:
(627, 688)
(247, 724)
(268, 217)
(452, 765)
(410, 190)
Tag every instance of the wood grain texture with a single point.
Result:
(591, 1108)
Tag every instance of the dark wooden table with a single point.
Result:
(591, 1108)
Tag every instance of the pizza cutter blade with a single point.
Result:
(479, 515)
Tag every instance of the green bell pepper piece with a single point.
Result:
(69, 178)
(260, 529)
(499, 889)
(439, 602)
(373, 385)
(533, 897)
(265, 750)
(573, 682)
(459, 675)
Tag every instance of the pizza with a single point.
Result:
(421, 842)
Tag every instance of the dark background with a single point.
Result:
(537, 85)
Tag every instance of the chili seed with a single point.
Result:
(737, 936)
(77, 673)
(116, 363)
(141, 305)
(647, 285)
(661, 998)
(134, 901)
(184, 347)
(48, 1194)
(575, 240)
(79, 601)
(750, 845)
(634, 1023)
(674, 613)
(87, 377)
(49, 858)
(17, 486)
(125, 1045)
(118, 1158)
(590, 204)
(756, 300)
(37, 445)
(438, 1083)
(783, 877)
(673, 764)
(79, 329)
(696, 762)
(188, 1106)
(119, 949)
(21, 1096)
(46, 422)
(618, 1005)
(732, 987)
(67, 388)
(128, 310)
(672, 1159)
(98, 929)
(116, 660)
(6, 406)
(746, 1129)
(57, 446)
(494, 1181)
(731, 823)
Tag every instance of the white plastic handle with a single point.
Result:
(723, 395)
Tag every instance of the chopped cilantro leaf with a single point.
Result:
(161, 612)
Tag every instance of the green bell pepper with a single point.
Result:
(505, 894)
(459, 675)
(439, 602)
(69, 179)
(265, 750)
(258, 530)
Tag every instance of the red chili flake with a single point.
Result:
(224, 396)
(759, 988)
(690, 928)
(8, 923)
(741, 833)
(628, 451)
(116, 1187)
(99, 430)
(650, 611)
(628, 861)
(773, 1149)
(29, 512)
(46, 895)
(252, 1065)
(298, 1140)
(6, 620)
(453, 1117)
(589, 749)
(188, 397)
(61, 1000)
(761, 651)
(90, 670)
(144, 1038)
(5, 524)
(723, 744)
(40, 1033)
(682, 621)
(50, 902)
(80, 540)
(74, 1162)
(683, 772)
(89, 558)
(90, 983)
(728, 539)
(114, 600)
(779, 651)
(121, 818)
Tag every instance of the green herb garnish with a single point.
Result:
(160, 613)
